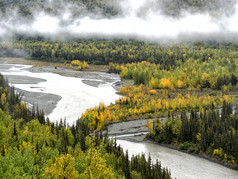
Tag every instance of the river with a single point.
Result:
(181, 165)
(75, 96)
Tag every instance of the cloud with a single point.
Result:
(138, 19)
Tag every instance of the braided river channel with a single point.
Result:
(67, 97)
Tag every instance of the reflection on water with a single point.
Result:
(181, 165)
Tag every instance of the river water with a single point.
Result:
(181, 165)
(77, 96)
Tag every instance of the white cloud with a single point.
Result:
(151, 25)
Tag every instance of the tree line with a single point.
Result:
(141, 101)
(118, 51)
(206, 131)
(218, 74)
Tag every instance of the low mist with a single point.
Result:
(148, 20)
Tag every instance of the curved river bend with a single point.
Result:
(181, 165)
(77, 96)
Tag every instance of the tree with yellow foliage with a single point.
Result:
(3, 151)
(62, 168)
(150, 125)
(96, 166)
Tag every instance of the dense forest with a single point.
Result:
(204, 131)
(117, 51)
(193, 73)
(33, 147)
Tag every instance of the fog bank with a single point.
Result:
(138, 19)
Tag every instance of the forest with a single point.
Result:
(163, 83)
(204, 131)
(141, 102)
(187, 91)
(119, 51)
(33, 147)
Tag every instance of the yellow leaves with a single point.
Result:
(76, 62)
(233, 162)
(218, 153)
(26, 130)
(121, 100)
(140, 88)
(3, 99)
(53, 52)
(198, 137)
(225, 156)
(121, 116)
(96, 166)
(215, 152)
(150, 125)
(166, 83)
(101, 118)
(85, 65)
(226, 98)
(170, 53)
(205, 76)
(80, 65)
(25, 145)
(159, 105)
(124, 73)
(122, 90)
(3, 151)
(180, 84)
(154, 83)
(141, 101)
(62, 168)
(108, 115)
(152, 92)
(22, 105)
(174, 105)
(118, 68)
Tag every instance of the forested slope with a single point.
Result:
(32, 147)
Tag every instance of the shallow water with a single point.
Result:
(76, 95)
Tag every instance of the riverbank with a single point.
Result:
(43, 64)
(136, 130)
(181, 165)
(204, 156)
